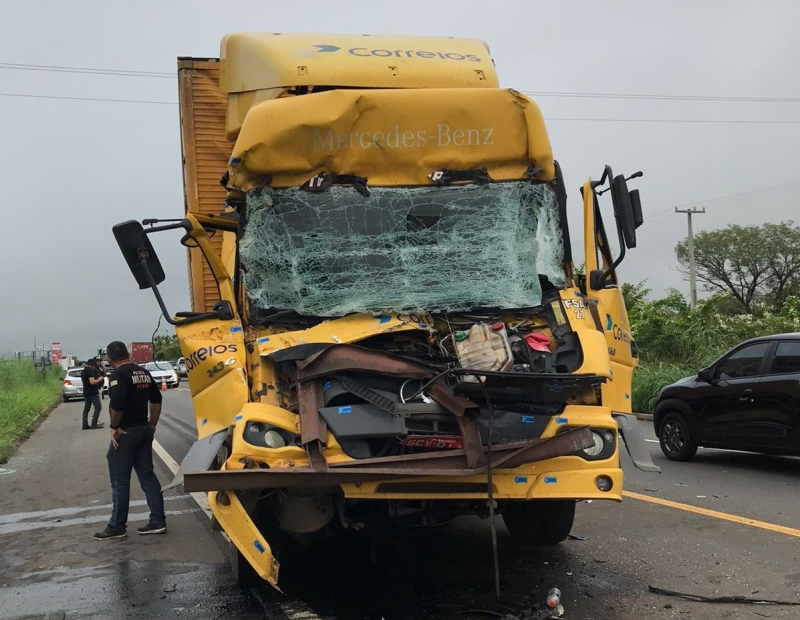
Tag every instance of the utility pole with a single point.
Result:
(692, 276)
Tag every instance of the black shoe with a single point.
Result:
(86, 428)
(152, 528)
(109, 533)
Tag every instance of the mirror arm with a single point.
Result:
(145, 266)
(621, 256)
(186, 225)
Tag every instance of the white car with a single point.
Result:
(163, 372)
(72, 386)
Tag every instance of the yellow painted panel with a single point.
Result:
(392, 137)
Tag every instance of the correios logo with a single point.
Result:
(365, 52)
(204, 353)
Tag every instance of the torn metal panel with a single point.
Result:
(516, 452)
(634, 442)
(465, 412)
(345, 357)
(449, 463)
(199, 457)
(313, 432)
(385, 134)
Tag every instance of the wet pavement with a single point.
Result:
(57, 495)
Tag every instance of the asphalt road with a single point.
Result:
(723, 524)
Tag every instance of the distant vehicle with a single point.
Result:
(180, 366)
(163, 371)
(749, 399)
(72, 386)
(141, 352)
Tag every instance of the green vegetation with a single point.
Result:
(754, 273)
(759, 266)
(24, 394)
(167, 348)
(676, 342)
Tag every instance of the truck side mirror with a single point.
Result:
(135, 247)
(636, 203)
(624, 211)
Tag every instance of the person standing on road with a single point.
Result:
(92, 380)
(135, 406)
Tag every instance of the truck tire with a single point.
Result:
(539, 522)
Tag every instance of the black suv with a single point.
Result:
(749, 399)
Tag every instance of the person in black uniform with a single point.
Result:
(92, 379)
(135, 406)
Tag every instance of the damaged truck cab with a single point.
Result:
(387, 324)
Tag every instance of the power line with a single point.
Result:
(598, 120)
(567, 94)
(87, 98)
(660, 217)
(661, 97)
(86, 70)
(673, 120)
(753, 191)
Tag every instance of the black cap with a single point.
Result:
(92, 361)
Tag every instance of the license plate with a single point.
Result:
(433, 442)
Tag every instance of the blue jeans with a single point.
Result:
(135, 452)
(88, 401)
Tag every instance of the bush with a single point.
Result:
(648, 380)
(24, 394)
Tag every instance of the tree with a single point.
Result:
(166, 347)
(757, 265)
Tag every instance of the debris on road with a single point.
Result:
(549, 609)
(170, 588)
(720, 599)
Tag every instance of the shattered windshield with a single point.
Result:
(401, 249)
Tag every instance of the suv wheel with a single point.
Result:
(676, 441)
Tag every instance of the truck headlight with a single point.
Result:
(598, 446)
(266, 435)
(274, 439)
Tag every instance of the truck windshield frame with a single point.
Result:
(402, 249)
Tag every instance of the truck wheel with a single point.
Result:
(539, 522)
(675, 438)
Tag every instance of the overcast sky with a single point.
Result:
(70, 169)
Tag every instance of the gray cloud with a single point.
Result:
(71, 169)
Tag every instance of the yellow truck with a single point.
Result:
(387, 325)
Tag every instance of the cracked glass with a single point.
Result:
(428, 249)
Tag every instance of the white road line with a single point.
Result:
(652, 440)
(173, 466)
(26, 526)
(56, 513)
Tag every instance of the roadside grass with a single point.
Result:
(24, 394)
(648, 380)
